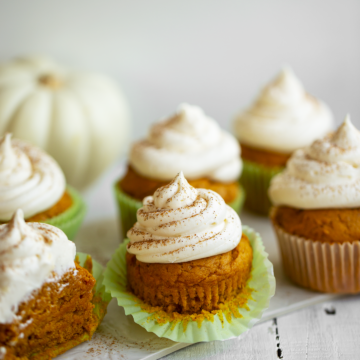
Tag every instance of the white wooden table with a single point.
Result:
(328, 330)
(324, 331)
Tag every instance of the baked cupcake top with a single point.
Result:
(323, 175)
(189, 141)
(180, 223)
(29, 179)
(30, 255)
(284, 117)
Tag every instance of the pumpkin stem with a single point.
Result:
(50, 81)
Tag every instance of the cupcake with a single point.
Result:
(283, 118)
(191, 275)
(188, 141)
(48, 302)
(187, 256)
(32, 181)
(317, 207)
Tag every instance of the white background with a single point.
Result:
(216, 54)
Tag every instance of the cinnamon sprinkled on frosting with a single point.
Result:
(324, 175)
(180, 223)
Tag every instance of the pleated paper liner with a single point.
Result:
(70, 220)
(128, 207)
(100, 300)
(218, 325)
(255, 179)
(238, 203)
(325, 267)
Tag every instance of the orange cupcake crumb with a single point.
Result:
(39, 332)
(194, 286)
(324, 225)
(62, 205)
(139, 187)
(264, 157)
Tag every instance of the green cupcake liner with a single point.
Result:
(255, 179)
(100, 292)
(128, 207)
(70, 220)
(101, 300)
(261, 280)
(238, 203)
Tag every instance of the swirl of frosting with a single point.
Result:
(29, 179)
(284, 117)
(190, 141)
(323, 175)
(30, 255)
(180, 223)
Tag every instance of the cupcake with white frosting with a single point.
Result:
(48, 302)
(188, 264)
(188, 141)
(282, 119)
(317, 207)
(181, 228)
(32, 181)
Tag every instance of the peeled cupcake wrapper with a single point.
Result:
(128, 207)
(101, 300)
(326, 267)
(70, 220)
(255, 179)
(261, 280)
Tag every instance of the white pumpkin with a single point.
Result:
(81, 119)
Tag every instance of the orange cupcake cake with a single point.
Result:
(188, 141)
(187, 252)
(139, 186)
(31, 180)
(283, 118)
(45, 297)
(316, 213)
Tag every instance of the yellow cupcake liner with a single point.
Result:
(128, 207)
(100, 300)
(255, 179)
(325, 267)
(215, 325)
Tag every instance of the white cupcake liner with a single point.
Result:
(325, 267)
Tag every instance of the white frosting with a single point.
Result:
(188, 141)
(180, 223)
(284, 118)
(30, 254)
(29, 179)
(324, 175)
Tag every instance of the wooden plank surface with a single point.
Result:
(325, 331)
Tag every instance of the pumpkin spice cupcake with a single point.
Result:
(188, 141)
(48, 302)
(189, 259)
(283, 118)
(187, 273)
(317, 207)
(31, 180)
